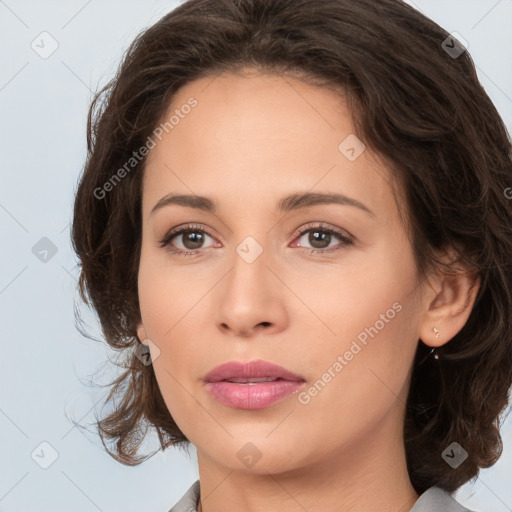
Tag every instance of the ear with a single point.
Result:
(141, 334)
(448, 303)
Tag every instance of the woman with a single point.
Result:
(294, 220)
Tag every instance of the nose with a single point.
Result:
(251, 299)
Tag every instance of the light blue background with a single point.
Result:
(46, 363)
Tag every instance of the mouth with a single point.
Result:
(253, 385)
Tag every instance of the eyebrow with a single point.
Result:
(291, 202)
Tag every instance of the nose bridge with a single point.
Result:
(249, 274)
(248, 293)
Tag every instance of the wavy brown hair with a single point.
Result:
(418, 106)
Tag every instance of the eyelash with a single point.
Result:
(164, 243)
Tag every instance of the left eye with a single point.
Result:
(320, 238)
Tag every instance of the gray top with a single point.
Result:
(434, 499)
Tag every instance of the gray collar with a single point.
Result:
(437, 499)
(434, 499)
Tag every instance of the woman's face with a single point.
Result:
(264, 280)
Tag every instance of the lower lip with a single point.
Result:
(252, 396)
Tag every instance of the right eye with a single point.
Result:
(192, 239)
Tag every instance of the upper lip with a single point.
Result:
(252, 369)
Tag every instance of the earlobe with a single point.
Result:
(141, 333)
(447, 310)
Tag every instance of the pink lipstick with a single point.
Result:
(253, 385)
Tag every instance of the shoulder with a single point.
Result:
(189, 501)
(436, 499)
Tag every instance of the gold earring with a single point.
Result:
(436, 355)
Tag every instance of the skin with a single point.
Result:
(251, 140)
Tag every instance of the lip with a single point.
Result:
(252, 369)
(255, 395)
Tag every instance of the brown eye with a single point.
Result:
(192, 239)
(187, 238)
(320, 238)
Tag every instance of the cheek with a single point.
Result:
(167, 293)
(368, 335)
(170, 301)
(364, 299)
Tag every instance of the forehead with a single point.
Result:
(259, 135)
